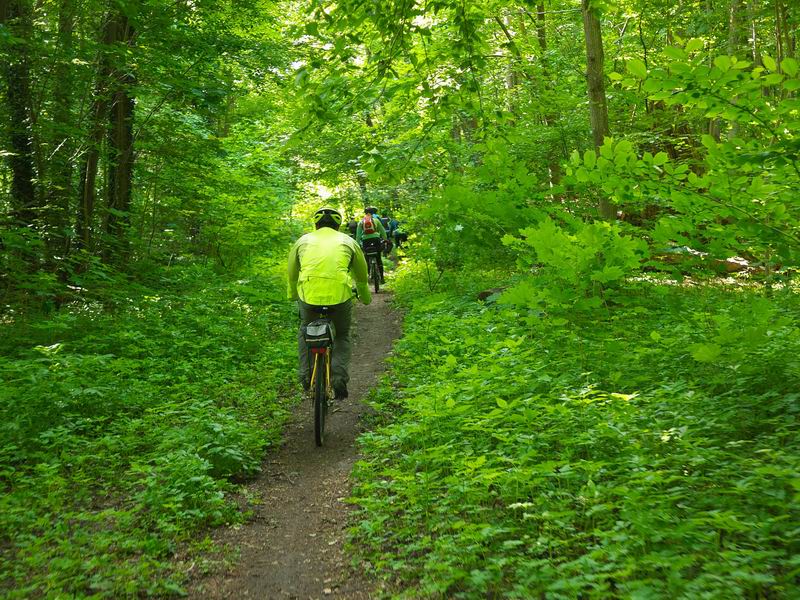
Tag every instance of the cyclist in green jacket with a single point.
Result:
(370, 235)
(322, 267)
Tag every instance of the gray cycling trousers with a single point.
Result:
(341, 315)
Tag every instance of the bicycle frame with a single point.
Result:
(317, 353)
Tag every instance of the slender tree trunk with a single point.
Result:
(779, 39)
(553, 154)
(734, 28)
(61, 191)
(541, 32)
(16, 15)
(784, 29)
(361, 175)
(734, 46)
(120, 150)
(84, 223)
(598, 109)
(512, 75)
(755, 50)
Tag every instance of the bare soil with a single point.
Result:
(293, 545)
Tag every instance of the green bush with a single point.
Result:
(594, 456)
(123, 432)
(575, 266)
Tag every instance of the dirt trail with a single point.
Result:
(292, 548)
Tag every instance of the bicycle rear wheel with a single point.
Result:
(320, 396)
(374, 273)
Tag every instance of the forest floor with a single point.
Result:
(293, 546)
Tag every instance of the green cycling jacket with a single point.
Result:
(322, 267)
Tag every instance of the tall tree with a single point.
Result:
(84, 225)
(598, 108)
(59, 198)
(120, 143)
(16, 16)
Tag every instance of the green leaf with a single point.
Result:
(675, 53)
(660, 158)
(723, 63)
(637, 68)
(791, 85)
(694, 44)
(769, 62)
(609, 273)
(789, 66)
(589, 159)
(624, 147)
(502, 403)
(705, 352)
(708, 141)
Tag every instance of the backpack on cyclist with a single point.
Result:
(368, 225)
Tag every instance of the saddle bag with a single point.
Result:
(319, 334)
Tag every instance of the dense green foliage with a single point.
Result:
(123, 432)
(648, 450)
(619, 421)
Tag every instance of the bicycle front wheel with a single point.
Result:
(320, 397)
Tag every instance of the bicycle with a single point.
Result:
(319, 335)
(374, 270)
(372, 252)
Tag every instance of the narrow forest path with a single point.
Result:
(293, 546)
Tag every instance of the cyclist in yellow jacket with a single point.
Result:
(323, 265)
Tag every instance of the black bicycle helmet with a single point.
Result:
(371, 210)
(328, 216)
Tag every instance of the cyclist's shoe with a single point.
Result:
(340, 391)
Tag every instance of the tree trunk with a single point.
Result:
(84, 223)
(734, 28)
(779, 39)
(120, 150)
(61, 188)
(541, 32)
(16, 15)
(553, 154)
(598, 109)
(755, 51)
(783, 30)
(735, 44)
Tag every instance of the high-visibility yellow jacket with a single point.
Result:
(322, 267)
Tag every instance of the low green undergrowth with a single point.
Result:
(122, 433)
(648, 449)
